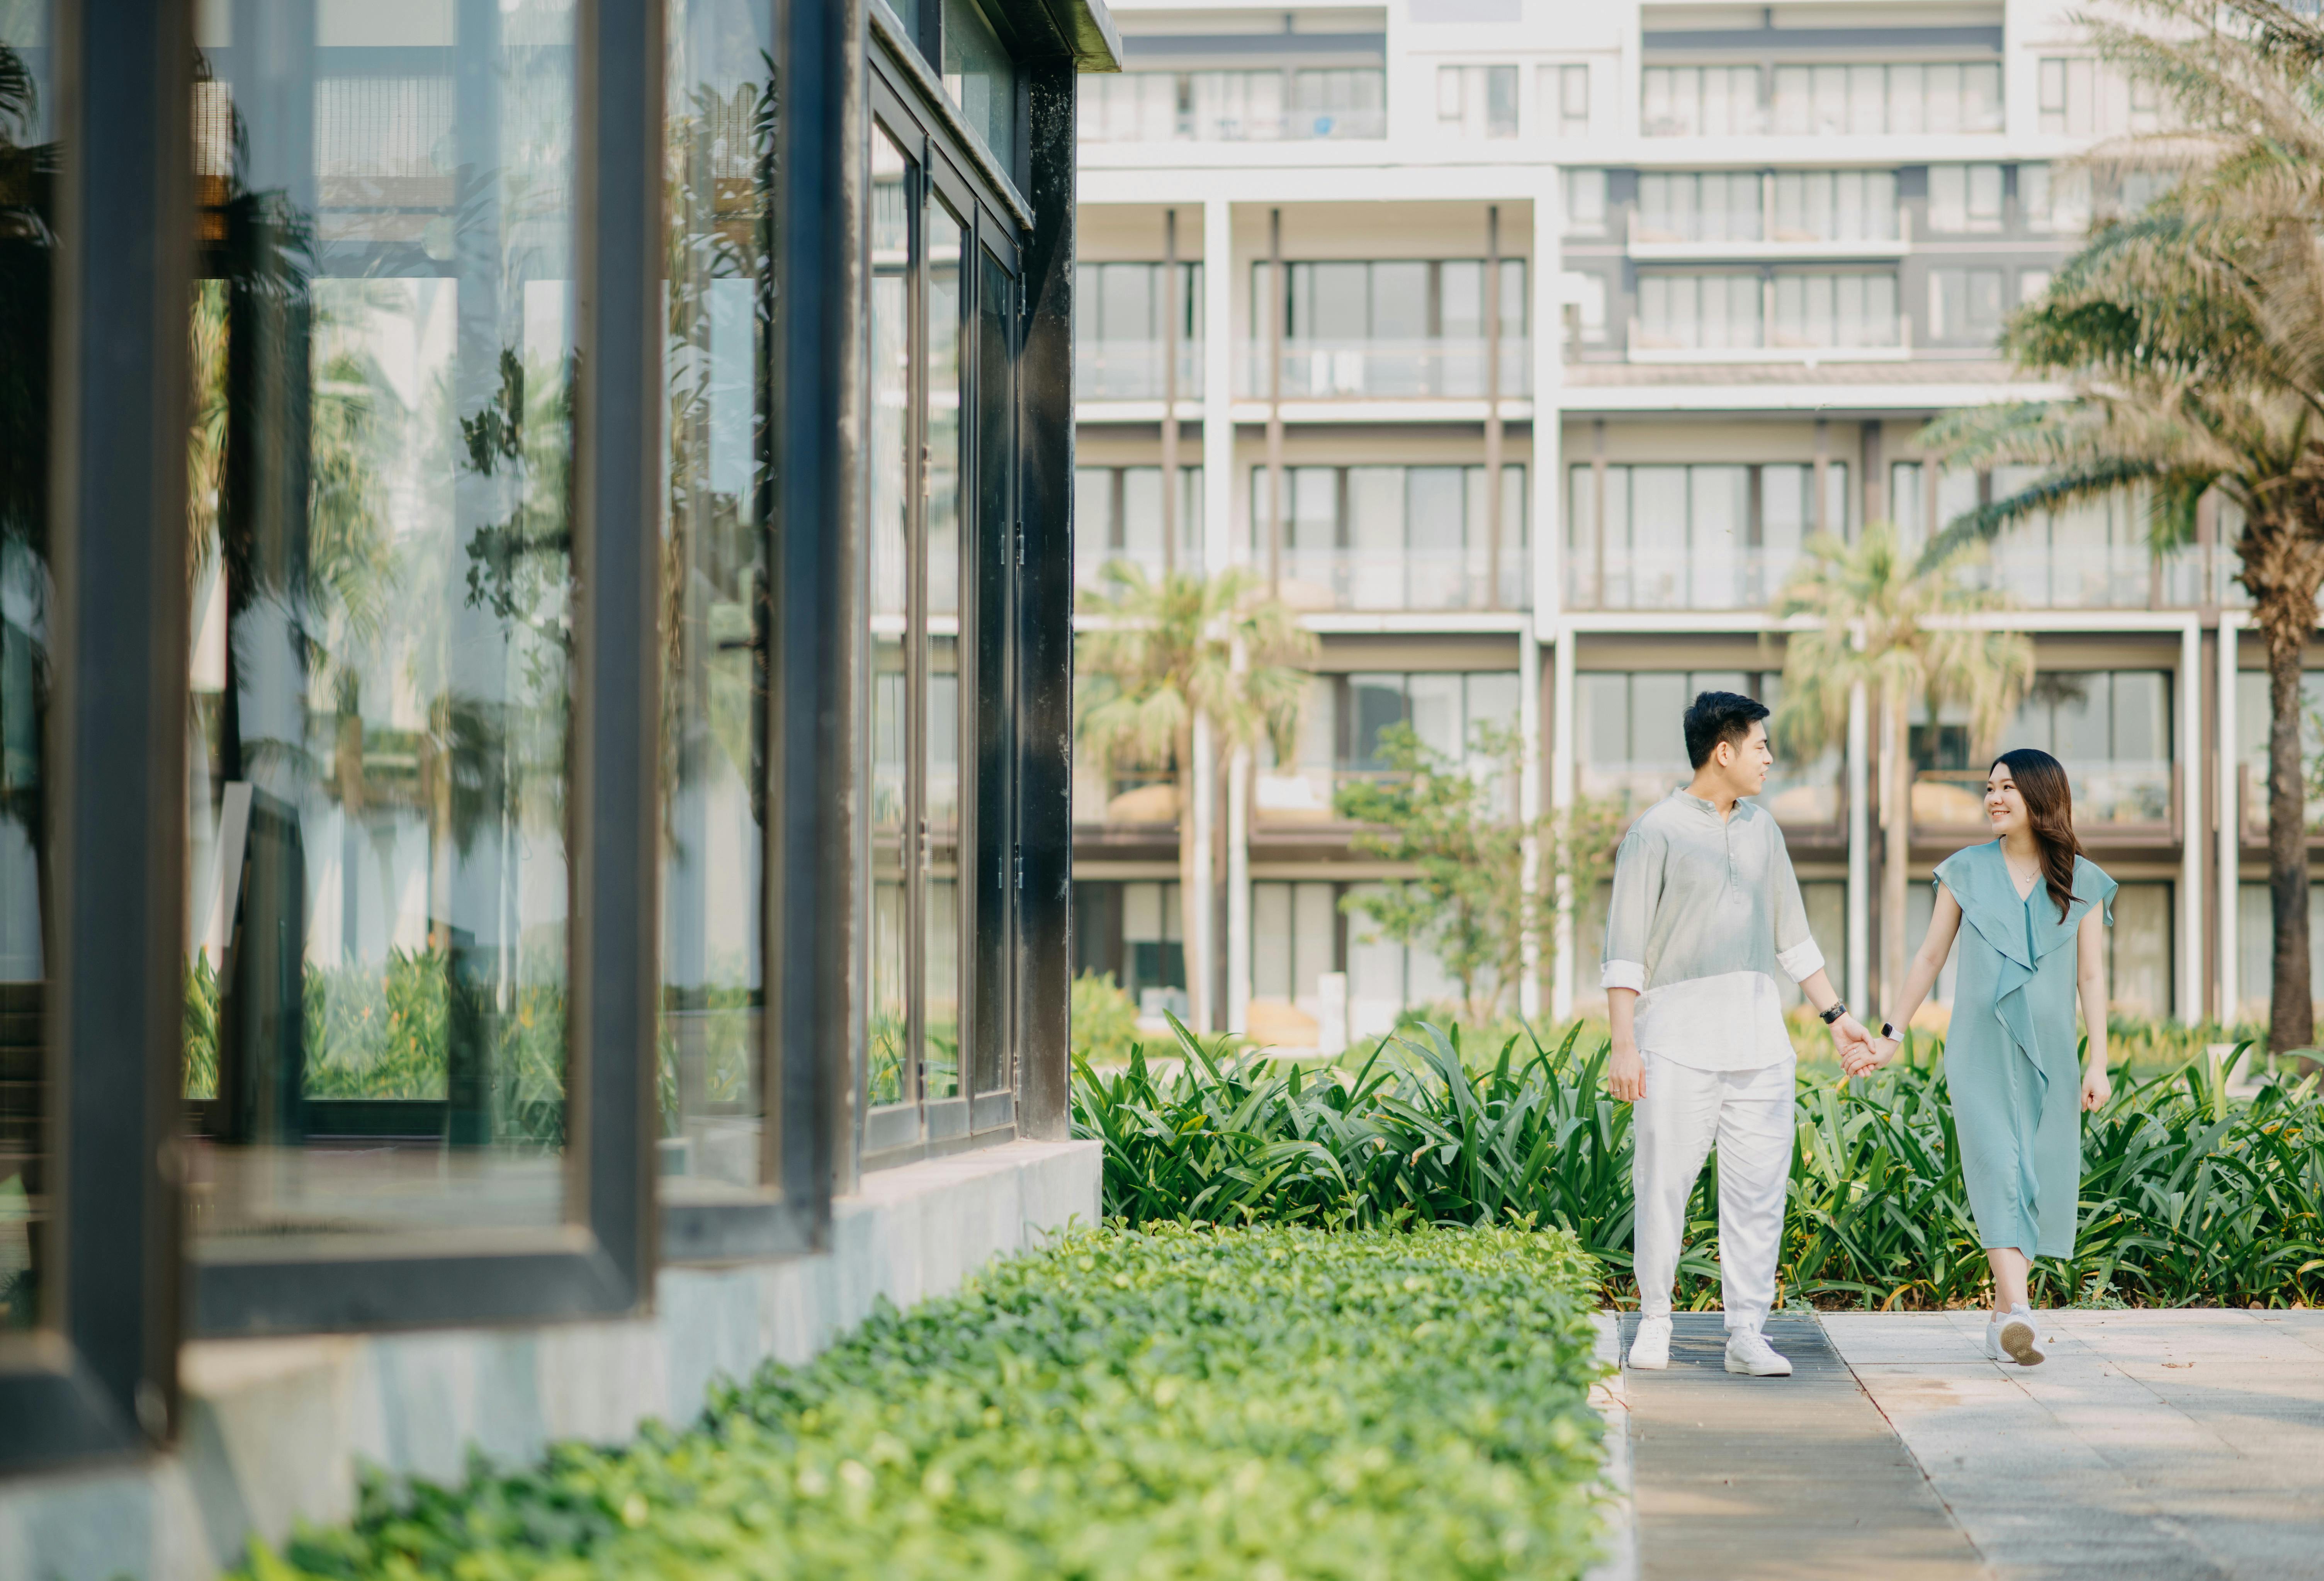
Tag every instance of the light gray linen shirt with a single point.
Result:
(1705, 912)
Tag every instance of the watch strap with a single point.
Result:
(1838, 1008)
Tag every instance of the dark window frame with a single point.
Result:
(100, 1379)
(941, 162)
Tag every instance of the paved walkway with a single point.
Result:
(2149, 1447)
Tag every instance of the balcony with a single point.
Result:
(1132, 370)
(1265, 105)
(1410, 579)
(1390, 369)
(1808, 799)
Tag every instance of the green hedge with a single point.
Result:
(1278, 1402)
(2187, 1196)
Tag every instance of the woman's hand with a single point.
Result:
(2095, 1088)
(1869, 1057)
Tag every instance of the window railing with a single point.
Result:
(1131, 370)
(1810, 798)
(1385, 369)
(1250, 106)
(1407, 579)
(1735, 579)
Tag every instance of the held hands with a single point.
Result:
(1868, 1056)
(1849, 1038)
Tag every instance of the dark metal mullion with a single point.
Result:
(916, 635)
(615, 801)
(117, 738)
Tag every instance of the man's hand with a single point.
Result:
(1848, 1036)
(1625, 1072)
(1869, 1057)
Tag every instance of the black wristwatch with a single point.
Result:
(1888, 1030)
(1838, 1008)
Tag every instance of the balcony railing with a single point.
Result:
(2119, 575)
(1289, 797)
(1090, 562)
(1405, 578)
(1877, 338)
(1727, 578)
(1131, 370)
(2117, 791)
(1806, 800)
(1389, 370)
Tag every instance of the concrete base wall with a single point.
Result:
(278, 1431)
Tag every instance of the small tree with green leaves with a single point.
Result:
(1454, 824)
(1164, 653)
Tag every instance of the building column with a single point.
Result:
(1859, 850)
(1218, 384)
(1529, 807)
(1560, 796)
(2230, 856)
(2190, 801)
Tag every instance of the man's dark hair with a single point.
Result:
(1715, 716)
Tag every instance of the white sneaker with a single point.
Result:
(1748, 1353)
(1992, 1340)
(2017, 1338)
(1650, 1346)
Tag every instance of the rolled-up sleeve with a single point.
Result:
(1796, 947)
(1630, 912)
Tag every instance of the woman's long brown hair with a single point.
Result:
(2040, 779)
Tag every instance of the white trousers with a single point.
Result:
(1749, 1113)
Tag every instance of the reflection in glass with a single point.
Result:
(27, 244)
(722, 302)
(887, 1059)
(940, 896)
(381, 595)
(980, 79)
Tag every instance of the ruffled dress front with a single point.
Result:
(2011, 1055)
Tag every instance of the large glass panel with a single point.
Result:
(940, 632)
(886, 1056)
(382, 580)
(980, 79)
(721, 303)
(27, 244)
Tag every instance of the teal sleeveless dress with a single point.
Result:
(2010, 1057)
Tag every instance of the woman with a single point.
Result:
(2009, 1057)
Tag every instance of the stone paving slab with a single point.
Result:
(1802, 1477)
(2150, 1443)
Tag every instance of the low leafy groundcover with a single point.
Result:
(1276, 1401)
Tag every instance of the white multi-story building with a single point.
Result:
(1521, 344)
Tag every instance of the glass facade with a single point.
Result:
(1390, 328)
(1120, 325)
(1630, 741)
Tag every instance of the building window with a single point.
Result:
(1964, 198)
(2255, 942)
(1789, 308)
(2082, 97)
(1870, 99)
(1701, 101)
(2032, 283)
(982, 80)
(1630, 747)
(1834, 205)
(1719, 207)
(1393, 538)
(1693, 537)
(1477, 101)
(1402, 327)
(2111, 729)
(1964, 306)
(1585, 203)
(1565, 98)
(2053, 200)
(1117, 516)
(1120, 313)
(1267, 104)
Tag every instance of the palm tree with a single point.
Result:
(1902, 633)
(2191, 337)
(1169, 657)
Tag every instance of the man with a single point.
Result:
(1705, 911)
